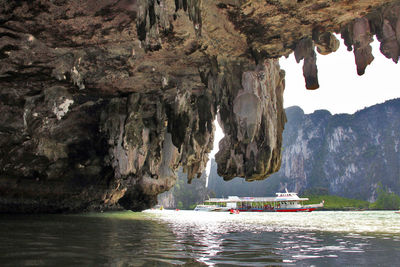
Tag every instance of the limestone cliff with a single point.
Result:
(345, 154)
(184, 195)
(102, 101)
(349, 155)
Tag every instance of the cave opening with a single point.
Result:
(218, 135)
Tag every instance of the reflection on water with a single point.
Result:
(191, 238)
(80, 240)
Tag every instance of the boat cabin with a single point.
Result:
(282, 201)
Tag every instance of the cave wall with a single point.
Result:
(102, 101)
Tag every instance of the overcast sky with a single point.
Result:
(341, 89)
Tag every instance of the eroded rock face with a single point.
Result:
(253, 119)
(102, 101)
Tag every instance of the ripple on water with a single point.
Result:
(288, 238)
(193, 238)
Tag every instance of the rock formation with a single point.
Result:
(102, 101)
(184, 195)
(345, 154)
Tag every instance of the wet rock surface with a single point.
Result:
(102, 101)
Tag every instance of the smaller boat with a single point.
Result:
(397, 212)
(210, 208)
(234, 211)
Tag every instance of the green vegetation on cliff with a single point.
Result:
(337, 203)
(386, 200)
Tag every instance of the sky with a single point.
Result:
(341, 89)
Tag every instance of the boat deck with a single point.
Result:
(252, 199)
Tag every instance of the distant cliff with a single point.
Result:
(184, 195)
(346, 155)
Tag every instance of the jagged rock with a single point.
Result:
(362, 38)
(102, 101)
(305, 50)
(389, 45)
(251, 149)
(326, 43)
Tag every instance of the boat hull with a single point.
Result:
(280, 210)
(296, 210)
(254, 210)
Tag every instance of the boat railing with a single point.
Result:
(254, 199)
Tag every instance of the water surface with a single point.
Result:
(164, 238)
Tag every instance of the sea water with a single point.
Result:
(165, 238)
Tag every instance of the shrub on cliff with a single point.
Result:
(386, 200)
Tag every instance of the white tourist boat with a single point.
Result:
(283, 202)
